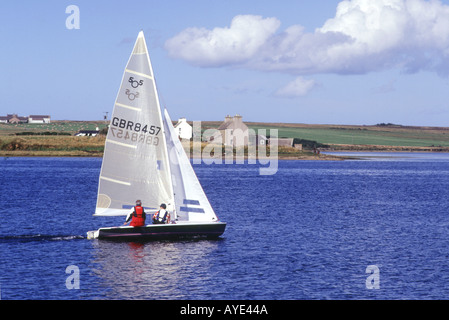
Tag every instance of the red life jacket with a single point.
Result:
(137, 217)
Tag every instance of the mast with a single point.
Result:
(141, 35)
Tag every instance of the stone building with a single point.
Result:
(233, 132)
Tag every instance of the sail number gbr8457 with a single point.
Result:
(134, 131)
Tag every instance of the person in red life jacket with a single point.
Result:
(162, 216)
(137, 216)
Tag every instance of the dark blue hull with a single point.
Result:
(161, 231)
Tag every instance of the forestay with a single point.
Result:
(135, 162)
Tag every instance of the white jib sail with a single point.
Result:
(135, 161)
(190, 200)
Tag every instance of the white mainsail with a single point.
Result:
(135, 161)
(191, 202)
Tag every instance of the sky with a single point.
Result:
(359, 62)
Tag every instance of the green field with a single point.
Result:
(71, 127)
(337, 136)
(364, 135)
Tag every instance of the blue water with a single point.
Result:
(307, 232)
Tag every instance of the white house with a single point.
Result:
(38, 119)
(183, 129)
(88, 133)
(14, 118)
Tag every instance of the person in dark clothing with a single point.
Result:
(162, 216)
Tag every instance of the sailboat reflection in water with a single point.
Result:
(144, 159)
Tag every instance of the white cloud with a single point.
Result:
(297, 88)
(223, 46)
(410, 34)
(364, 36)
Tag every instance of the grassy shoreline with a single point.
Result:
(378, 138)
(94, 147)
(70, 146)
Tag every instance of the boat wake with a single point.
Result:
(39, 237)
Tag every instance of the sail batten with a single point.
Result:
(139, 73)
(122, 144)
(127, 106)
(115, 181)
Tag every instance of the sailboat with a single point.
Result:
(144, 159)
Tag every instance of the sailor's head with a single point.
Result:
(163, 206)
(138, 203)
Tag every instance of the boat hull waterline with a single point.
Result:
(161, 231)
